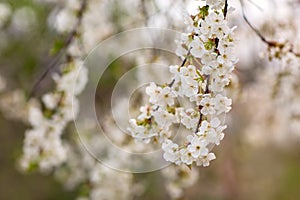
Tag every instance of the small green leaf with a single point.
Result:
(203, 11)
(57, 46)
(209, 45)
(33, 166)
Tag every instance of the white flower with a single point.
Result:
(189, 118)
(24, 19)
(189, 22)
(164, 135)
(181, 51)
(224, 69)
(188, 72)
(207, 132)
(206, 29)
(220, 30)
(212, 131)
(154, 93)
(167, 96)
(141, 132)
(65, 21)
(197, 48)
(146, 112)
(215, 4)
(70, 108)
(205, 160)
(218, 84)
(223, 104)
(227, 57)
(186, 156)
(163, 118)
(135, 129)
(211, 68)
(175, 70)
(35, 116)
(216, 18)
(228, 41)
(73, 81)
(208, 105)
(42, 147)
(208, 57)
(170, 151)
(189, 86)
(220, 134)
(160, 96)
(197, 147)
(51, 100)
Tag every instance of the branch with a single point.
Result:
(57, 58)
(262, 38)
(200, 107)
(208, 77)
(225, 9)
(182, 64)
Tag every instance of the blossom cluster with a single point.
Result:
(43, 146)
(208, 61)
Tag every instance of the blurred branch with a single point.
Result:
(270, 43)
(225, 8)
(58, 56)
(145, 11)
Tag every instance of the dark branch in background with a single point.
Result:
(262, 38)
(57, 58)
(145, 12)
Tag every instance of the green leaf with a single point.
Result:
(57, 46)
(203, 11)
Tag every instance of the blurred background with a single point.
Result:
(260, 155)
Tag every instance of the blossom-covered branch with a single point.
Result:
(208, 60)
(72, 35)
(43, 146)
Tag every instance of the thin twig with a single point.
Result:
(262, 38)
(200, 107)
(182, 64)
(208, 77)
(145, 12)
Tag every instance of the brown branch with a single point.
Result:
(200, 107)
(208, 77)
(182, 64)
(57, 58)
(262, 38)
(145, 12)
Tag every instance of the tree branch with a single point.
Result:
(57, 58)
(262, 38)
